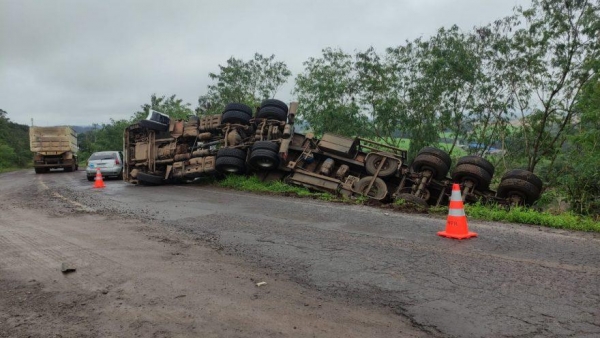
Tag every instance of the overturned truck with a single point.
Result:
(161, 150)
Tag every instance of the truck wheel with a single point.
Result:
(149, 179)
(412, 199)
(232, 152)
(477, 174)
(235, 117)
(230, 165)
(478, 161)
(39, 170)
(431, 162)
(521, 189)
(90, 178)
(68, 169)
(272, 146)
(524, 175)
(153, 125)
(374, 160)
(439, 153)
(272, 113)
(239, 107)
(378, 190)
(275, 103)
(264, 159)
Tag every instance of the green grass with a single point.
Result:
(9, 169)
(254, 184)
(566, 220)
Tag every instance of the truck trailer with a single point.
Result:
(53, 148)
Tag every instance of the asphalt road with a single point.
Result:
(513, 280)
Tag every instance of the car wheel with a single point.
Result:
(275, 103)
(264, 159)
(430, 162)
(236, 117)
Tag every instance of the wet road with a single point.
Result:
(510, 281)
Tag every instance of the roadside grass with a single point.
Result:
(254, 184)
(9, 169)
(521, 215)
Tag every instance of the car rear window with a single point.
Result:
(103, 156)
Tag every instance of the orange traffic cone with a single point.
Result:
(456, 225)
(99, 181)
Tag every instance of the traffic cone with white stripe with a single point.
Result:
(456, 225)
(99, 181)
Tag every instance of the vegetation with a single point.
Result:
(527, 83)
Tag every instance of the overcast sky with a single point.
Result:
(82, 62)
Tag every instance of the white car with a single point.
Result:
(110, 163)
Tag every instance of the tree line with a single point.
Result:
(526, 83)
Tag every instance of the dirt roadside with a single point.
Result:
(136, 279)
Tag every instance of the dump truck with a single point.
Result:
(160, 150)
(53, 147)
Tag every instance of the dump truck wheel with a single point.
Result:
(439, 153)
(39, 170)
(90, 178)
(272, 113)
(478, 161)
(412, 199)
(524, 175)
(230, 165)
(149, 179)
(374, 160)
(236, 117)
(431, 162)
(275, 103)
(239, 107)
(378, 190)
(272, 146)
(264, 159)
(514, 187)
(153, 125)
(232, 152)
(477, 174)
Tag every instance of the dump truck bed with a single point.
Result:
(52, 140)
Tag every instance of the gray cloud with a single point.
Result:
(81, 62)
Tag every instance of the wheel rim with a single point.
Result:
(265, 163)
(231, 169)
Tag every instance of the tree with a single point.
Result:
(553, 45)
(327, 92)
(171, 106)
(243, 82)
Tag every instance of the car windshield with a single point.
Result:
(103, 156)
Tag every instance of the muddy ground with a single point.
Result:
(185, 261)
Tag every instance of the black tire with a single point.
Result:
(439, 153)
(431, 162)
(272, 113)
(272, 146)
(263, 159)
(475, 173)
(378, 190)
(120, 176)
(239, 107)
(232, 152)
(236, 117)
(389, 168)
(68, 169)
(275, 103)
(153, 125)
(91, 178)
(527, 191)
(524, 175)
(230, 165)
(412, 199)
(149, 179)
(40, 170)
(478, 161)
